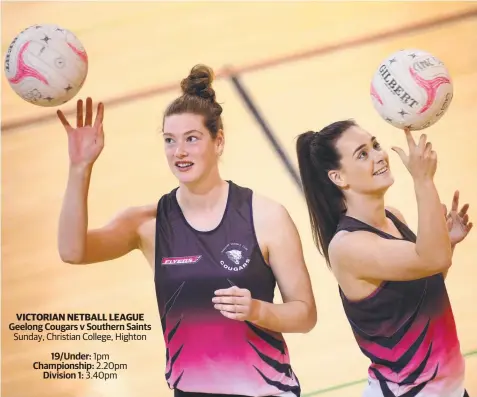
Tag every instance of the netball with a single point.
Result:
(46, 65)
(411, 88)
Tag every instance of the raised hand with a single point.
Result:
(421, 161)
(86, 141)
(457, 221)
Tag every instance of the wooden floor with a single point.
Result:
(136, 47)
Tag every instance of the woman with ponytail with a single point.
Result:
(217, 251)
(390, 280)
(324, 199)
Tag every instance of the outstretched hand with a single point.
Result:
(457, 221)
(86, 141)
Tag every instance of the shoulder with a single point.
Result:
(147, 210)
(347, 246)
(276, 231)
(136, 215)
(398, 214)
(269, 210)
(273, 223)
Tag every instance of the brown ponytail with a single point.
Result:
(317, 154)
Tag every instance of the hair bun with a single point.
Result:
(199, 82)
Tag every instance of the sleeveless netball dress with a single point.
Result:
(407, 330)
(205, 351)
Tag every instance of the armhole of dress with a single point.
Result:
(156, 238)
(403, 228)
(254, 232)
(394, 218)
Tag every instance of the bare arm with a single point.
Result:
(457, 221)
(433, 242)
(400, 216)
(444, 273)
(76, 244)
(278, 237)
(367, 256)
(73, 225)
(297, 313)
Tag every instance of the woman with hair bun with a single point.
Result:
(217, 250)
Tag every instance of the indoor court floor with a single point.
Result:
(304, 64)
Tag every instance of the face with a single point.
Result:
(191, 152)
(364, 164)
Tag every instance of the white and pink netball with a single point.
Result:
(411, 88)
(46, 65)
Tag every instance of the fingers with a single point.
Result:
(409, 138)
(233, 302)
(455, 205)
(239, 309)
(400, 153)
(82, 119)
(99, 115)
(463, 210)
(62, 118)
(232, 306)
(99, 136)
(444, 208)
(231, 297)
(232, 316)
(230, 300)
(79, 113)
(433, 156)
(428, 149)
(232, 291)
(469, 227)
(422, 143)
(89, 112)
(455, 201)
(425, 148)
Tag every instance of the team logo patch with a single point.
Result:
(181, 260)
(235, 257)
